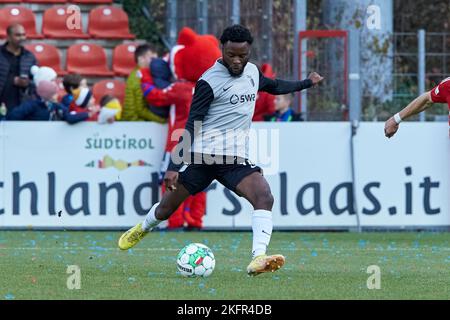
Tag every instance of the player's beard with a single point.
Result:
(232, 72)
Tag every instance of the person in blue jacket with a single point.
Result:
(45, 107)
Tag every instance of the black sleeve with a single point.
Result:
(278, 86)
(203, 96)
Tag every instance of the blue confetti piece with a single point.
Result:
(201, 285)
(314, 253)
(33, 242)
(9, 296)
(131, 279)
(212, 291)
(362, 243)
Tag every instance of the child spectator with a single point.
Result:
(283, 111)
(72, 82)
(111, 109)
(45, 107)
(84, 101)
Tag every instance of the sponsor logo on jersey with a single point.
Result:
(235, 99)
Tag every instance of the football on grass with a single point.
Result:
(196, 260)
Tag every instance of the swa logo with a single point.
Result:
(235, 99)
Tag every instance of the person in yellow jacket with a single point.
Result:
(135, 108)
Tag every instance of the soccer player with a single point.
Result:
(439, 94)
(223, 102)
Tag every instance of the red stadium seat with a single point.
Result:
(47, 55)
(58, 23)
(123, 59)
(44, 1)
(87, 59)
(18, 14)
(109, 22)
(115, 88)
(92, 1)
(10, 1)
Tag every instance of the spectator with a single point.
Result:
(135, 107)
(265, 102)
(45, 107)
(84, 101)
(111, 109)
(15, 68)
(283, 111)
(162, 78)
(42, 73)
(71, 82)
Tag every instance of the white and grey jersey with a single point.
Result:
(226, 125)
(222, 109)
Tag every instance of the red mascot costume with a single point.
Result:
(189, 59)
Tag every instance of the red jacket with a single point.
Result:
(179, 94)
(265, 105)
(265, 102)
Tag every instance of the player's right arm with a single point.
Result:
(418, 105)
(201, 101)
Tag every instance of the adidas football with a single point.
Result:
(196, 260)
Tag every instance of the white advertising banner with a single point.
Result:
(84, 175)
(399, 182)
(55, 175)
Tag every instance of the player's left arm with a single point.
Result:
(279, 86)
(416, 106)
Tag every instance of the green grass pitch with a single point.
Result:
(33, 265)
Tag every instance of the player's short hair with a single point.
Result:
(142, 50)
(236, 33)
(71, 81)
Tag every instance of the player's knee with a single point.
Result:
(264, 200)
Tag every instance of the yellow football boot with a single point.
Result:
(265, 263)
(132, 237)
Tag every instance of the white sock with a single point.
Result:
(150, 220)
(262, 230)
